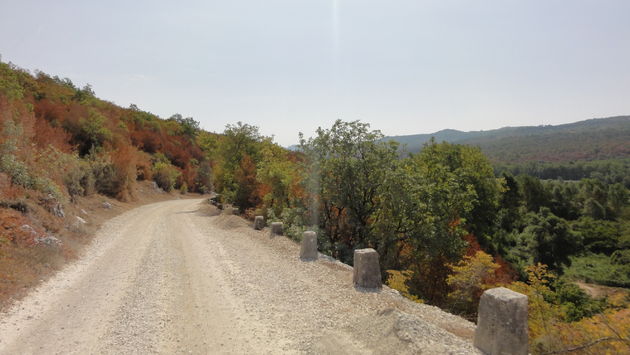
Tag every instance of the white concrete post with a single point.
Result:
(259, 222)
(502, 322)
(276, 228)
(367, 271)
(308, 248)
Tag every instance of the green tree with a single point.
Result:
(547, 239)
(238, 141)
(188, 126)
(430, 202)
(246, 194)
(348, 165)
(276, 171)
(534, 193)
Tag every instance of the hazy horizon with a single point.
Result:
(405, 67)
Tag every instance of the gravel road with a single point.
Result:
(175, 277)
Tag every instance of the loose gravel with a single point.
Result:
(172, 278)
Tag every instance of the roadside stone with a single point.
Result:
(58, 211)
(228, 211)
(259, 222)
(367, 271)
(502, 322)
(48, 240)
(27, 228)
(106, 205)
(308, 248)
(276, 228)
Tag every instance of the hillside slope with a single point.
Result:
(592, 139)
(62, 150)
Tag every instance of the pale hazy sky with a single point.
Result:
(406, 66)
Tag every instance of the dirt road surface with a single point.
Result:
(175, 277)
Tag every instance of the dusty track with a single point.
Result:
(170, 278)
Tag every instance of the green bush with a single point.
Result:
(102, 173)
(92, 132)
(294, 221)
(576, 303)
(17, 171)
(79, 179)
(165, 175)
(621, 257)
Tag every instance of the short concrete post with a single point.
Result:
(502, 322)
(367, 271)
(259, 223)
(308, 249)
(276, 228)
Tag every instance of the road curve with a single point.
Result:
(172, 277)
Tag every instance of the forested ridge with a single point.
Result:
(593, 139)
(447, 223)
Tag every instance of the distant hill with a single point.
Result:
(594, 139)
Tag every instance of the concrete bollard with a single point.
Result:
(259, 223)
(276, 228)
(308, 249)
(367, 271)
(502, 322)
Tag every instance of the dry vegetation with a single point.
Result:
(446, 226)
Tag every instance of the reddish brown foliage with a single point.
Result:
(15, 228)
(247, 194)
(124, 160)
(46, 134)
(504, 274)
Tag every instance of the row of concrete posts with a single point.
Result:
(502, 314)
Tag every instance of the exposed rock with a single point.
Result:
(156, 187)
(106, 205)
(57, 210)
(367, 272)
(502, 322)
(29, 229)
(308, 248)
(48, 240)
(259, 222)
(79, 225)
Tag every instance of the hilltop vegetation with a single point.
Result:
(445, 221)
(594, 139)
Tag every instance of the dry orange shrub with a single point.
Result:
(13, 229)
(124, 161)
